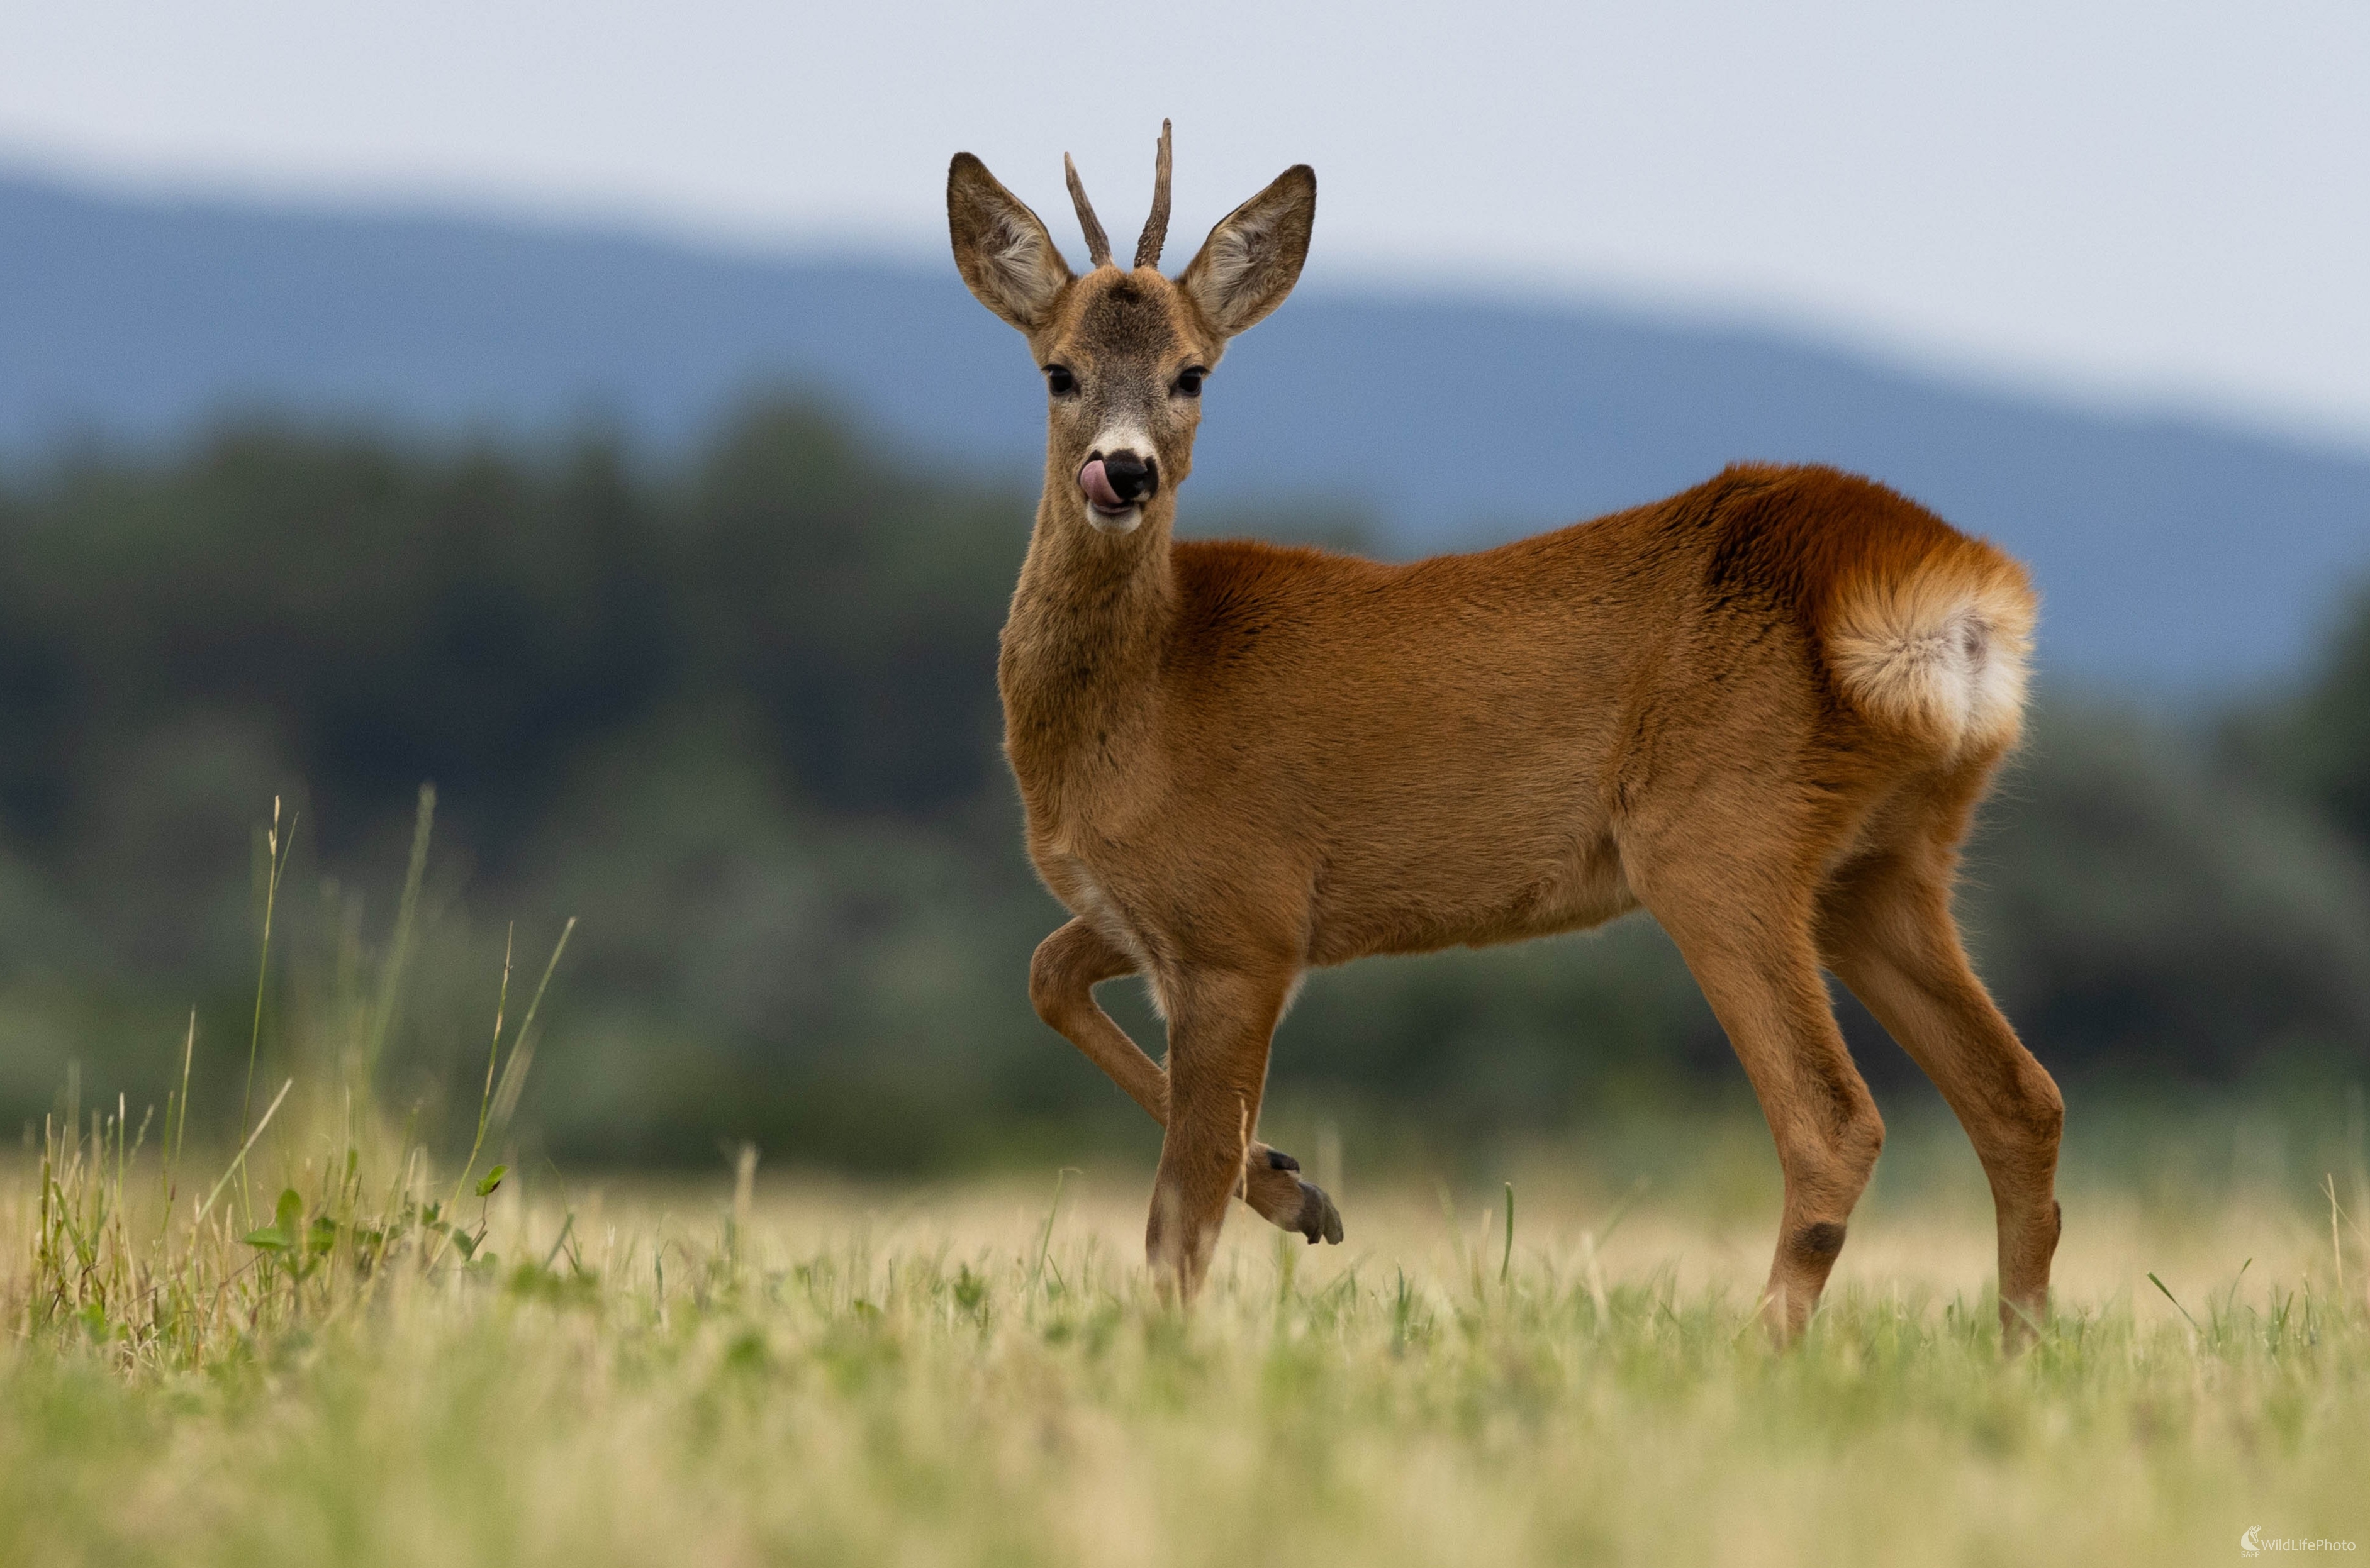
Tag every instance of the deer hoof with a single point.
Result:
(1272, 1185)
(1319, 1220)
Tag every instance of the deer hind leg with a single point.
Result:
(1062, 978)
(1220, 1023)
(1748, 943)
(1888, 935)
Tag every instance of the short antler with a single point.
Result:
(1156, 227)
(1097, 243)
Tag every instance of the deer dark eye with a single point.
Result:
(1059, 381)
(1188, 382)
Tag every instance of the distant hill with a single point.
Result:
(2175, 556)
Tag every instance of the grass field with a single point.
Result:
(582, 1373)
(324, 1346)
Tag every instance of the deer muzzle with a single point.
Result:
(1118, 483)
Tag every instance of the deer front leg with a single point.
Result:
(1220, 1023)
(1068, 966)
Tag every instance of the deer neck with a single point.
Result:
(1083, 645)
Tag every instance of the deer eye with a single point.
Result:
(1059, 381)
(1189, 381)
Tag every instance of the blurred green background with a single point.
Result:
(735, 711)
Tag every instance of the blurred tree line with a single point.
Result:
(740, 717)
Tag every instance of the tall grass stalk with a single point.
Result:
(407, 919)
(158, 1285)
(275, 850)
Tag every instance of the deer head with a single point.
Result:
(1124, 353)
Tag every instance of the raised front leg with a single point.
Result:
(1061, 979)
(1068, 966)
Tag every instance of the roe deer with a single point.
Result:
(1763, 710)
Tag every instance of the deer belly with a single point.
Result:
(1467, 895)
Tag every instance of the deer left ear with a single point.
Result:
(1253, 257)
(1001, 247)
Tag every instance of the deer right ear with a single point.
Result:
(1001, 248)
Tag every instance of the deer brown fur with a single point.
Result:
(1763, 710)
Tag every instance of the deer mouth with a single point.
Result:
(1102, 494)
(1115, 490)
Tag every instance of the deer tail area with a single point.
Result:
(1939, 645)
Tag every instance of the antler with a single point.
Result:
(1156, 227)
(1097, 243)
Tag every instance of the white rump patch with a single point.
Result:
(1944, 649)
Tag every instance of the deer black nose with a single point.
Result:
(1134, 478)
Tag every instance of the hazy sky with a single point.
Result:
(2166, 200)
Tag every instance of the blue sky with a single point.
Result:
(2163, 202)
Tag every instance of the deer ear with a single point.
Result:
(1253, 259)
(1001, 248)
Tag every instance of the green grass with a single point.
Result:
(323, 1343)
(968, 1374)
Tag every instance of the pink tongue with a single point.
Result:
(1098, 486)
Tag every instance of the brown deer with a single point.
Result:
(1763, 710)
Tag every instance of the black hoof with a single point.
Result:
(1319, 1220)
